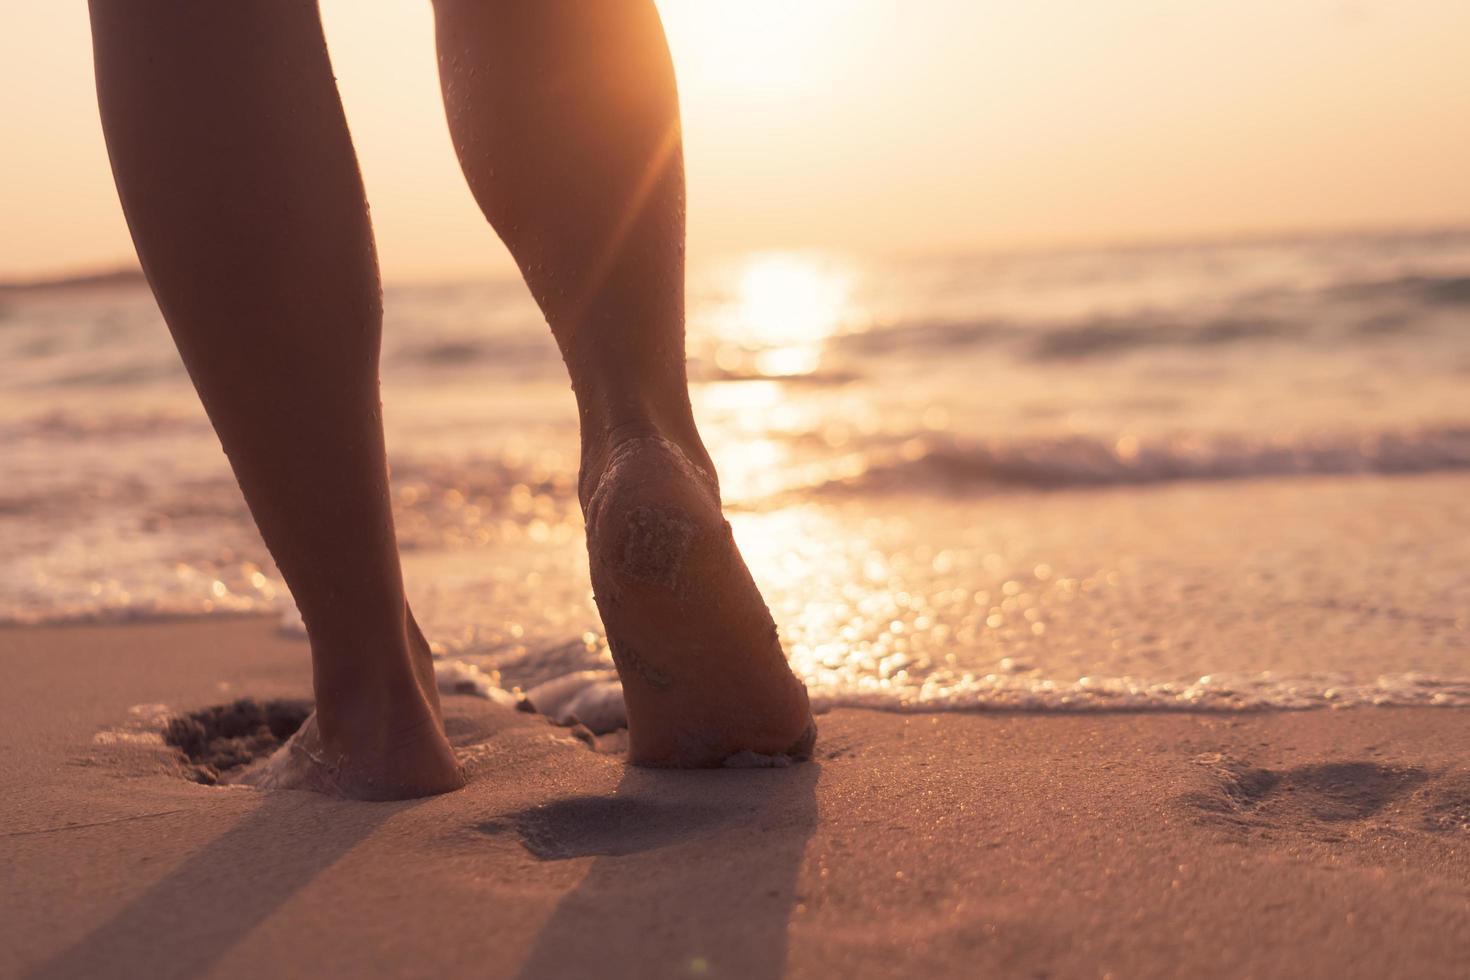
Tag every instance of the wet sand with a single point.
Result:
(1321, 843)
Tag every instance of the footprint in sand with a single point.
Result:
(1447, 804)
(1322, 800)
(226, 738)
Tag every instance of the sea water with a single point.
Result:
(1198, 476)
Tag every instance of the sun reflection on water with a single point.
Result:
(779, 310)
(765, 326)
(849, 618)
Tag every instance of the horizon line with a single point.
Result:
(126, 272)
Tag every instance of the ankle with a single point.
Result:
(374, 691)
(602, 437)
(371, 721)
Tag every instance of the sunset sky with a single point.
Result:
(876, 125)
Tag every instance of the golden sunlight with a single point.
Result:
(756, 46)
(786, 298)
(782, 307)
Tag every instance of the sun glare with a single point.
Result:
(781, 308)
(785, 298)
(755, 46)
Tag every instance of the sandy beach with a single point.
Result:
(1057, 414)
(1316, 843)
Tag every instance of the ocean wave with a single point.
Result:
(1340, 311)
(1074, 339)
(941, 335)
(594, 698)
(1082, 462)
(436, 499)
(129, 277)
(1109, 336)
(1449, 290)
(533, 348)
(572, 683)
(1215, 693)
(701, 371)
(67, 426)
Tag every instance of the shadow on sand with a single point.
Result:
(183, 925)
(696, 874)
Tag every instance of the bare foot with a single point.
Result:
(704, 677)
(378, 751)
(417, 763)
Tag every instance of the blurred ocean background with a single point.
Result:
(1200, 476)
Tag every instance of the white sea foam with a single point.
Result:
(594, 698)
(459, 677)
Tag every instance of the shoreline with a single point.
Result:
(1305, 843)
